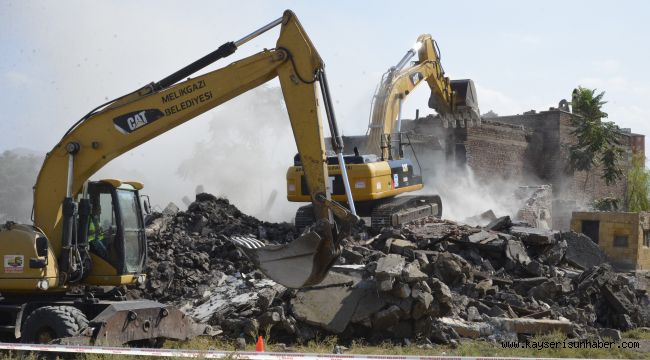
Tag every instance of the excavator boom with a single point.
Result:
(159, 107)
(59, 249)
(454, 100)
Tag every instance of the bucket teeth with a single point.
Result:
(248, 242)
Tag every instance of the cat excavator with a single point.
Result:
(62, 276)
(381, 177)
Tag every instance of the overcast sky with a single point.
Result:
(59, 59)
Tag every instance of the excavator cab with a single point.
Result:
(115, 231)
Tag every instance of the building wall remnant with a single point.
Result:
(623, 236)
(532, 148)
(537, 208)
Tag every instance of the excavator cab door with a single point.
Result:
(116, 236)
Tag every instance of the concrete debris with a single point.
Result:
(611, 334)
(534, 236)
(412, 273)
(400, 246)
(431, 279)
(329, 305)
(499, 224)
(582, 252)
(390, 266)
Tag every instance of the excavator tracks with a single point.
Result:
(391, 212)
(404, 209)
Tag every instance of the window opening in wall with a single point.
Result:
(620, 240)
(646, 238)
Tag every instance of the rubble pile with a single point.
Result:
(189, 253)
(432, 280)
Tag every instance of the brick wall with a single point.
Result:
(550, 148)
(498, 151)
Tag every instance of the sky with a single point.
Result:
(60, 59)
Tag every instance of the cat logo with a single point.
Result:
(135, 120)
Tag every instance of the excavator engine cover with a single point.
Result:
(303, 262)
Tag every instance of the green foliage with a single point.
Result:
(17, 178)
(638, 185)
(598, 141)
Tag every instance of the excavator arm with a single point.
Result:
(135, 118)
(454, 100)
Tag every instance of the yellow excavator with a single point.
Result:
(382, 173)
(89, 235)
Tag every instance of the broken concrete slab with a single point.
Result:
(451, 269)
(390, 266)
(441, 291)
(534, 236)
(554, 254)
(401, 246)
(412, 273)
(499, 224)
(581, 251)
(473, 314)
(618, 300)
(612, 334)
(422, 305)
(466, 329)
(535, 268)
(516, 252)
(330, 305)
(401, 290)
(482, 237)
(532, 326)
(371, 302)
(420, 287)
(387, 317)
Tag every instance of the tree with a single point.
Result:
(598, 141)
(638, 185)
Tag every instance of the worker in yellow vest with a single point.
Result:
(96, 233)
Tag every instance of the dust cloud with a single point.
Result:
(464, 195)
(245, 159)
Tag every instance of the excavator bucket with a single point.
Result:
(303, 262)
(466, 111)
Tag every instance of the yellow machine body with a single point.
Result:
(61, 251)
(370, 181)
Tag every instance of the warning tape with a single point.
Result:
(216, 354)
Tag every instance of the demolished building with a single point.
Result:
(528, 149)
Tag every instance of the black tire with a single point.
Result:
(48, 323)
